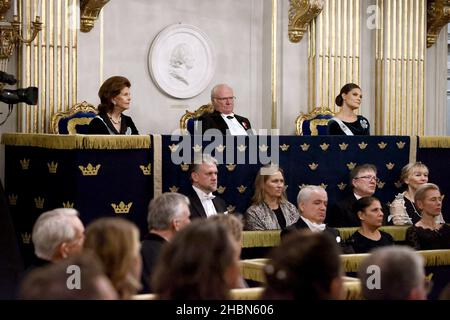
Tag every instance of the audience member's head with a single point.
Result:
(363, 180)
(110, 89)
(369, 212)
(222, 98)
(428, 199)
(201, 262)
(168, 213)
(204, 174)
(312, 203)
(306, 266)
(393, 273)
(116, 242)
(232, 223)
(414, 174)
(58, 234)
(79, 277)
(269, 183)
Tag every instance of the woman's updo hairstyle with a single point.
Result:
(345, 89)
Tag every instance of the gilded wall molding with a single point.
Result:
(89, 12)
(438, 15)
(301, 12)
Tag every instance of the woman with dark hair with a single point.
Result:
(368, 236)
(427, 233)
(346, 122)
(201, 262)
(115, 98)
(306, 266)
(270, 209)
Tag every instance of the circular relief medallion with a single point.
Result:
(181, 61)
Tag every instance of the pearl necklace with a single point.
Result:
(114, 121)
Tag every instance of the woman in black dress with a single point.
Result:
(368, 236)
(346, 122)
(115, 98)
(427, 234)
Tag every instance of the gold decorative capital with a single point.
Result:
(438, 15)
(301, 12)
(89, 12)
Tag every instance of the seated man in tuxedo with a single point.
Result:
(363, 182)
(223, 118)
(312, 204)
(204, 182)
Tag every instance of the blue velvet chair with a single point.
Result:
(75, 120)
(313, 123)
(187, 121)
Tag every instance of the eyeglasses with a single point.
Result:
(369, 178)
(225, 99)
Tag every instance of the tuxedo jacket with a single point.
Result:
(334, 233)
(300, 224)
(196, 208)
(215, 121)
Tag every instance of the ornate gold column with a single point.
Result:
(438, 15)
(400, 67)
(333, 51)
(49, 63)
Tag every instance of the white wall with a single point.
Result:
(235, 28)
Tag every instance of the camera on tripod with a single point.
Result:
(10, 97)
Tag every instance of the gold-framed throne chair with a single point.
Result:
(75, 120)
(187, 121)
(313, 123)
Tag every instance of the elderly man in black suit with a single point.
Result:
(204, 183)
(312, 204)
(223, 118)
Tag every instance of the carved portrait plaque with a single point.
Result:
(181, 61)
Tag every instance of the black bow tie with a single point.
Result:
(230, 117)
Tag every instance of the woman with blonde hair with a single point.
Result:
(427, 233)
(403, 210)
(116, 242)
(270, 209)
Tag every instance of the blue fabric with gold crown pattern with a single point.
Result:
(313, 123)
(76, 120)
(320, 160)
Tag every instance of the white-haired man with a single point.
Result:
(57, 234)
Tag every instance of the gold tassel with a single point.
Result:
(351, 262)
(434, 142)
(115, 142)
(49, 141)
(251, 239)
(253, 269)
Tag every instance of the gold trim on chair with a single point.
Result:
(314, 122)
(206, 108)
(80, 107)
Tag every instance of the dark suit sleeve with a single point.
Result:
(220, 205)
(97, 126)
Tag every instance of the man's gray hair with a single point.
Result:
(51, 229)
(401, 270)
(213, 90)
(164, 208)
(305, 192)
(199, 160)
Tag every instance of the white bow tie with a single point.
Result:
(208, 196)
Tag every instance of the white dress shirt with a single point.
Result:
(206, 200)
(236, 129)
